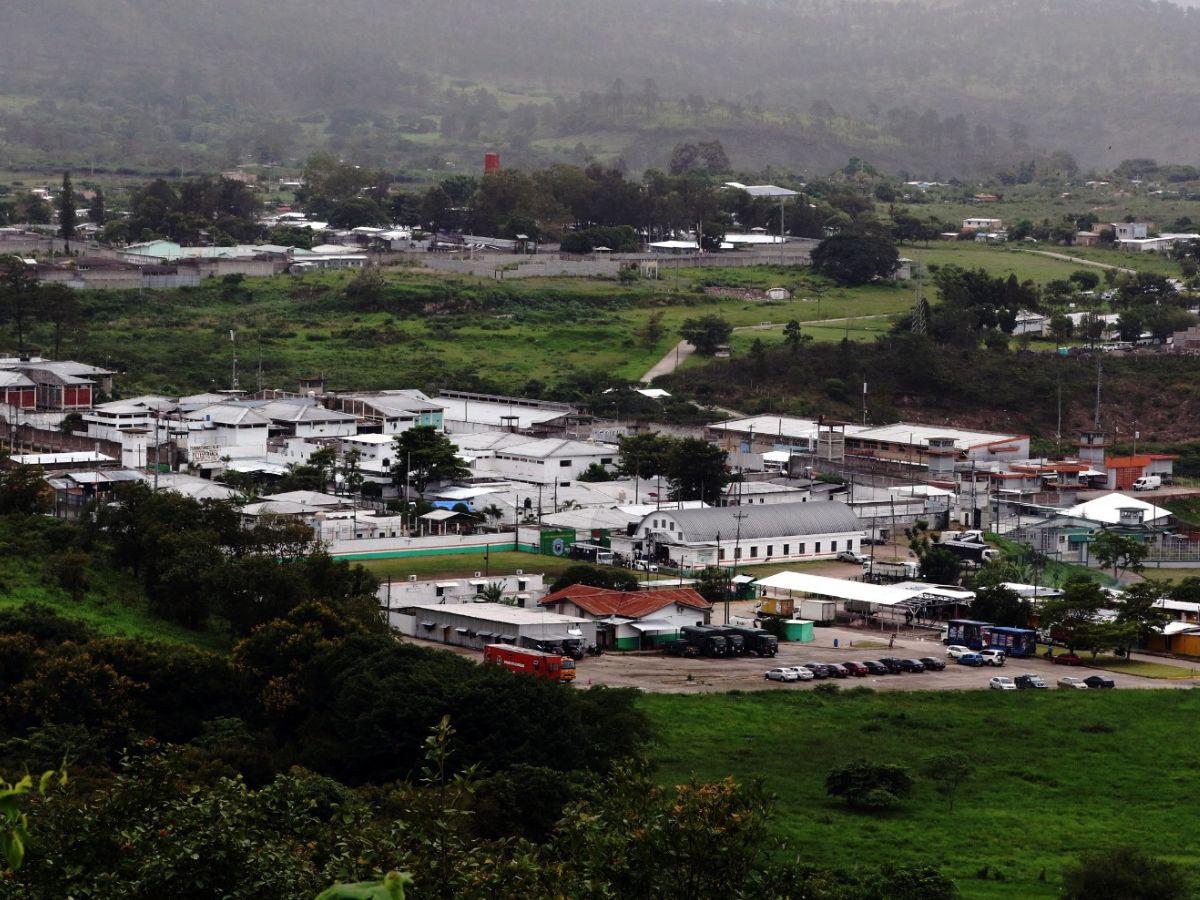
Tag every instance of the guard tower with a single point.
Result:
(942, 454)
(1092, 447)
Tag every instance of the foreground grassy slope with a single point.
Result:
(111, 602)
(1057, 773)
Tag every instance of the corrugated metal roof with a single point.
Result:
(764, 521)
(628, 604)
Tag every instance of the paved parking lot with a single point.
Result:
(666, 674)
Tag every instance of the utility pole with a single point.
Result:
(1058, 425)
(737, 551)
(407, 474)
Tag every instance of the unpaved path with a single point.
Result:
(681, 351)
(1079, 260)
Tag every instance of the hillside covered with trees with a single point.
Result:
(941, 88)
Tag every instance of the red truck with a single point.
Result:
(530, 662)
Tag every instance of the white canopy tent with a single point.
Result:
(823, 586)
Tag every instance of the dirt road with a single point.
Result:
(1079, 260)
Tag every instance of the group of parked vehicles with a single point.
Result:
(888, 665)
(723, 640)
(965, 656)
(1030, 681)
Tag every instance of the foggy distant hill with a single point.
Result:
(1101, 78)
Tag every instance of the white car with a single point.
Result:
(1000, 683)
(1069, 682)
(954, 651)
(801, 673)
(780, 675)
(993, 657)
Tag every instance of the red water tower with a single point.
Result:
(491, 163)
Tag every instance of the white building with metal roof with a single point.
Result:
(746, 535)
(477, 624)
(547, 461)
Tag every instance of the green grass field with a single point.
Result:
(464, 565)
(997, 259)
(1141, 262)
(1056, 773)
(1170, 574)
(453, 331)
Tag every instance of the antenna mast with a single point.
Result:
(920, 324)
(233, 384)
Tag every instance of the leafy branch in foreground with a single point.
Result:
(14, 834)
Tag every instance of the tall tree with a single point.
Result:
(643, 455)
(1140, 612)
(794, 337)
(426, 455)
(1118, 552)
(697, 470)
(706, 333)
(58, 304)
(97, 212)
(1074, 612)
(18, 289)
(855, 258)
(66, 211)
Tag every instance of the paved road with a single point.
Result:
(1079, 259)
(669, 363)
(664, 674)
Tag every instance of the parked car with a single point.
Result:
(1067, 659)
(892, 664)
(856, 668)
(993, 657)
(932, 663)
(1069, 682)
(875, 668)
(1099, 681)
(1000, 683)
(780, 675)
(971, 659)
(837, 670)
(1030, 681)
(819, 670)
(851, 557)
(802, 674)
(954, 651)
(912, 665)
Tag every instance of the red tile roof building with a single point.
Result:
(631, 620)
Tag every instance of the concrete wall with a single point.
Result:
(409, 593)
(431, 545)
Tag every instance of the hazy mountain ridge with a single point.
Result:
(1084, 75)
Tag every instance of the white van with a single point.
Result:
(1148, 483)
